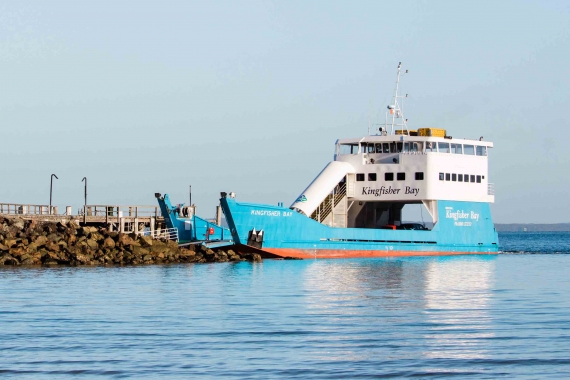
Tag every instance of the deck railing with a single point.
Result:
(491, 189)
(166, 233)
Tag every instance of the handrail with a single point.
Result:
(23, 209)
(326, 207)
(115, 211)
(490, 189)
(166, 233)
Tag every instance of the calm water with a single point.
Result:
(465, 317)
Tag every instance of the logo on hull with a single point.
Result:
(302, 198)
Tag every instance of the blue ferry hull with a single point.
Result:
(462, 228)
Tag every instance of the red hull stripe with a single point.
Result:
(345, 254)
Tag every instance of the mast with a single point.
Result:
(395, 110)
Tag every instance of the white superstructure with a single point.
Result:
(385, 172)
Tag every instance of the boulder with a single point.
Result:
(109, 243)
(8, 260)
(18, 223)
(55, 237)
(146, 241)
(96, 236)
(40, 240)
(10, 242)
(140, 251)
(92, 244)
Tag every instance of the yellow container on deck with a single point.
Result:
(402, 132)
(433, 132)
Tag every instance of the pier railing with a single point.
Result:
(490, 189)
(114, 211)
(25, 209)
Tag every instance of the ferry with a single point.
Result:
(354, 206)
(191, 229)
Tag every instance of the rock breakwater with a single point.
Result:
(29, 242)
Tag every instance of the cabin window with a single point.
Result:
(348, 149)
(456, 148)
(401, 176)
(388, 176)
(454, 177)
(386, 147)
(360, 177)
(443, 147)
(407, 147)
(460, 178)
(393, 147)
(379, 148)
(478, 179)
(372, 176)
(472, 178)
(441, 176)
(431, 147)
(447, 177)
(418, 147)
(371, 148)
(481, 150)
(419, 176)
(399, 147)
(469, 149)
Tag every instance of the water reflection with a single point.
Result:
(441, 302)
(458, 296)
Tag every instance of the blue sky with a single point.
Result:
(144, 97)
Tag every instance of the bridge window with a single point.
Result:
(372, 176)
(443, 147)
(379, 148)
(401, 176)
(441, 176)
(431, 147)
(460, 178)
(454, 177)
(386, 147)
(360, 177)
(420, 176)
(478, 179)
(371, 148)
(388, 176)
(456, 148)
(481, 150)
(447, 177)
(472, 178)
(348, 148)
(469, 149)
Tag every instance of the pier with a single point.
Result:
(129, 218)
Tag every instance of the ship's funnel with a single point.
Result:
(321, 186)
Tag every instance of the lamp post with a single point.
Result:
(85, 203)
(85, 179)
(50, 191)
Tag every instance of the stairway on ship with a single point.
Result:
(334, 208)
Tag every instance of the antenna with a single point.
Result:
(395, 109)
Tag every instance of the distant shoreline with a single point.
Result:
(532, 227)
